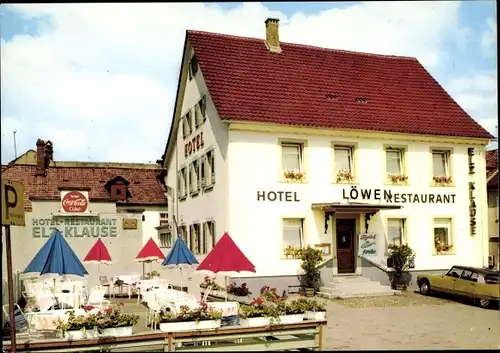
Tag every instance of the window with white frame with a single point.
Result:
(208, 237)
(292, 156)
(209, 169)
(344, 163)
(396, 231)
(394, 161)
(440, 163)
(442, 235)
(293, 234)
(163, 219)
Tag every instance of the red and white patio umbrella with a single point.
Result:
(226, 259)
(150, 252)
(98, 254)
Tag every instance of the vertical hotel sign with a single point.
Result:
(472, 192)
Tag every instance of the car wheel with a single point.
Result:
(425, 288)
(484, 303)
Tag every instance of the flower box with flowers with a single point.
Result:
(398, 179)
(344, 176)
(442, 180)
(114, 322)
(201, 318)
(313, 310)
(443, 248)
(294, 175)
(239, 291)
(76, 327)
(257, 313)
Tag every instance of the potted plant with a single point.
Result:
(239, 291)
(290, 312)
(289, 251)
(200, 318)
(209, 282)
(344, 175)
(258, 313)
(443, 248)
(270, 295)
(114, 322)
(154, 274)
(311, 279)
(400, 255)
(314, 310)
(77, 326)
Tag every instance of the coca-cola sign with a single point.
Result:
(74, 202)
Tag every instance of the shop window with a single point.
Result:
(442, 236)
(396, 231)
(293, 233)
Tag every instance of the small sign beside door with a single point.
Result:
(367, 244)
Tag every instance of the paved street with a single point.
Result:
(428, 323)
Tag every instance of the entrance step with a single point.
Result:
(354, 286)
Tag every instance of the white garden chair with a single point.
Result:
(96, 297)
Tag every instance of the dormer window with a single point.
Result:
(118, 188)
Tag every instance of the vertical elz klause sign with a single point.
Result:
(472, 192)
(12, 203)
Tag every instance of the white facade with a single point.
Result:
(249, 159)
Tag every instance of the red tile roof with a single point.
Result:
(249, 83)
(492, 159)
(145, 187)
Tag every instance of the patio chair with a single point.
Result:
(20, 321)
(96, 297)
(155, 306)
(104, 282)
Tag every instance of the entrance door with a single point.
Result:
(345, 245)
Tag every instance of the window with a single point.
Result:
(394, 161)
(455, 272)
(195, 239)
(163, 219)
(440, 163)
(184, 235)
(182, 190)
(194, 180)
(186, 124)
(208, 236)
(395, 231)
(200, 112)
(193, 67)
(292, 156)
(292, 233)
(344, 164)
(442, 235)
(208, 172)
(165, 238)
(189, 121)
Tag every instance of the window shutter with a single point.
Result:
(190, 69)
(203, 108)
(197, 170)
(212, 157)
(178, 184)
(189, 178)
(183, 123)
(202, 171)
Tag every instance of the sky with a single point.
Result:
(99, 80)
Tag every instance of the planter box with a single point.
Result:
(79, 334)
(289, 319)
(189, 325)
(117, 331)
(315, 315)
(255, 322)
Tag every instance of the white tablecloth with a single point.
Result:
(144, 284)
(128, 279)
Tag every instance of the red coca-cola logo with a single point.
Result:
(74, 201)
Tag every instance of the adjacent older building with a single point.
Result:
(492, 180)
(122, 203)
(286, 145)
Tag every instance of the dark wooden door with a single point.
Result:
(345, 245)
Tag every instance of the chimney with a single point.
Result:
(272, 35)
(40, 157)
(49, 153)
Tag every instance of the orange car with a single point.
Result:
(479, 284)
